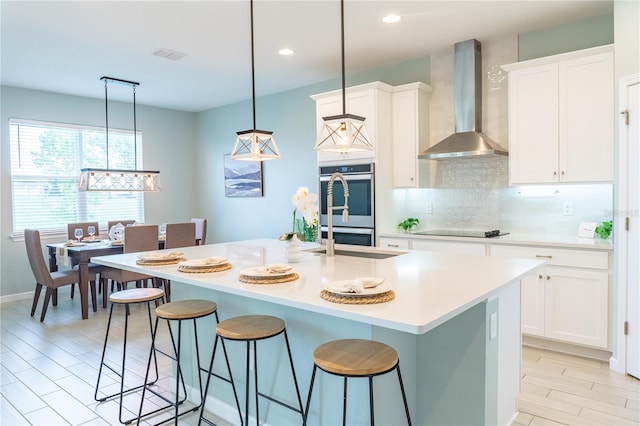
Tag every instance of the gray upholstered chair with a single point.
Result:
(51, 280)
(136, 239)
(71, 228)
(201, 230)
(123, 222)
(180, 235)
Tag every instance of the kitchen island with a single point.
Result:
(455, 322)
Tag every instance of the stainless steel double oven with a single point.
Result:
(360, 228)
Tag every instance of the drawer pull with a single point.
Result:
(393, 245)
(548, 277)
(540, 276)
(543, 256)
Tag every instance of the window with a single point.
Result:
(46, 159)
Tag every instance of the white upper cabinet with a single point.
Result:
(561, 118)
(371, 101)
(410, 121)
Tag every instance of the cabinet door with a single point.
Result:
(577, 306)
(410, 117)
(586, 117)
(533, 304)
(360, 103)
(533, 125)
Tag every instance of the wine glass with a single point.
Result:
(91, 230)
(78, 233)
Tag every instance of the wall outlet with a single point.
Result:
(428, 208)
(567, 208)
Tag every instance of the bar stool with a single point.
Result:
(180, 311)
(126, 298)
(356, 358)
(250, 329)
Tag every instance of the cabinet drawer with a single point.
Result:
(448, 247)
(561, 257)
(402, 243)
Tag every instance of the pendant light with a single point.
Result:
(92, 179)
(345, 132)
(254, 145)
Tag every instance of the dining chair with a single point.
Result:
(136, 239)
(71, 228)
(201, 230)
(111, 223)
(51, 280)
(180, 235)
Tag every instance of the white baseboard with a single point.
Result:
(614, 364)
(29, 295)
(567, 348)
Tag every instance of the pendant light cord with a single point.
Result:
(253, 74)
(106, 119)
(344, 97)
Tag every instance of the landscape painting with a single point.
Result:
(242, 178)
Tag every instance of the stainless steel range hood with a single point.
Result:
(468, 139)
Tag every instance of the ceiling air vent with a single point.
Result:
(174, 55)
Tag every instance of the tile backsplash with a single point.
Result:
(475, 194)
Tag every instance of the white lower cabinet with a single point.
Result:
(568, 300)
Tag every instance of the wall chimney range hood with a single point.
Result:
(468, 139)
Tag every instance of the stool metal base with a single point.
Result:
(121, 373)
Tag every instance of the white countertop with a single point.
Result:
(430, 288)
(520, 238)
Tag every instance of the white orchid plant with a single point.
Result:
(306, 227)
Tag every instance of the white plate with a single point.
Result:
(332, 288)
(205, 262)
(75, 244)
(262, 271)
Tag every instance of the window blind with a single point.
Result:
(46, 159)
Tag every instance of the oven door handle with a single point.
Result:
(349, 177)
(345, 230)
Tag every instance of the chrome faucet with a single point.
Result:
(330, 209)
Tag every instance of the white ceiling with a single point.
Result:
(66, 46)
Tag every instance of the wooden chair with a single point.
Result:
(51, 280)
(110, 223)
(136, 239)
(180, 235)
(71, 228)
(201, 230)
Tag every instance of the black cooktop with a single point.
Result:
(463, 233)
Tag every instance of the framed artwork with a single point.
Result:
(242, 178)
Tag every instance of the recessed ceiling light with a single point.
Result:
(391, 18)
(285, 52)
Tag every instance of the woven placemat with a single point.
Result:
(160, 262)
(215, 268)
(358, 300)
(268, 280)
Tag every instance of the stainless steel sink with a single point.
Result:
(354, 253)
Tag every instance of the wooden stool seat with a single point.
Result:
(250, 327)
(355, 357)
(136, 295)
(186, 309)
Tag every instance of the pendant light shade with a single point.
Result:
(254, 145)
(94, 179)
(345, 132)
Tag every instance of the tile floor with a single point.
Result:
(48, 373)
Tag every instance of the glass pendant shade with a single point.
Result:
(344, 133)
(119, 180)
(255, 145)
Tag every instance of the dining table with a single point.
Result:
(80, 254)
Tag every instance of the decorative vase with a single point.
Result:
(293, 249)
